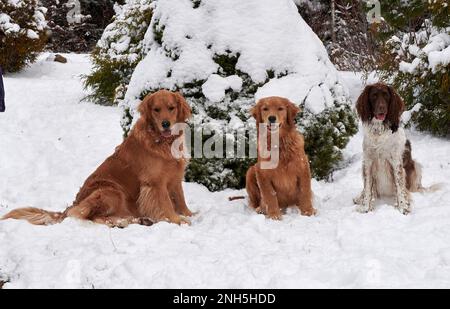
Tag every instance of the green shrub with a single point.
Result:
(22, 33)
(118, 52)
(326, 135)
(415, 61)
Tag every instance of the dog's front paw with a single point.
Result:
(185, 220)
(405, 211)
(260, 210)
(308, 212)
(364, 208)
(186, 212)
(179, 220)
(274, 215)
(358, 200)
(121, 223)
(115, 222)
(404, 207)
(143, 221)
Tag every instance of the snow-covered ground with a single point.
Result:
(49, 144)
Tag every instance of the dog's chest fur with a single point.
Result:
(383, 149)
(292, 166)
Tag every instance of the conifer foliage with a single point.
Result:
(22, 33)
(118, 51)
(416, 59)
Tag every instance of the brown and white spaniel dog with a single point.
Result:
(388, 168)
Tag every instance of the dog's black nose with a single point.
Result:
(272, 119)
(165, 124)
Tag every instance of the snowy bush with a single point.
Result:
(417, 62)
(424, 80)
(224, 55)
(118, 52)
(22, 33)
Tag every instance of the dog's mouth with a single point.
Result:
(380, 116)
(166, 133)
(273, 127)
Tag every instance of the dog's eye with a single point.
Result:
(265, 109)
(171, 108)
(157, 110)
(280, 108)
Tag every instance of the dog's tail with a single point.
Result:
(432, 188)
(234, 198)
(36, 216)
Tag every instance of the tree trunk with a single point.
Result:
(333, 21)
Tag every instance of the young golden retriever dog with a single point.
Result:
(141, 182)
(289, 183)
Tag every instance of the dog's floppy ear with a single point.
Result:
(363, 105)
(144, 107)
(184, 110)
(396, 108)
(255, 111)
(292, 111)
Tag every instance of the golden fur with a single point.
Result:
(141, 182)
(289, 184)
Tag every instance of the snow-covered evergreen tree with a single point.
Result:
(417, 60)
(22, 33)
(224, 55)
(118, 52)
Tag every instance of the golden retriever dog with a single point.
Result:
(141, 182)
(288, 184)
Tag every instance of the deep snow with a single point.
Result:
(49, 144)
